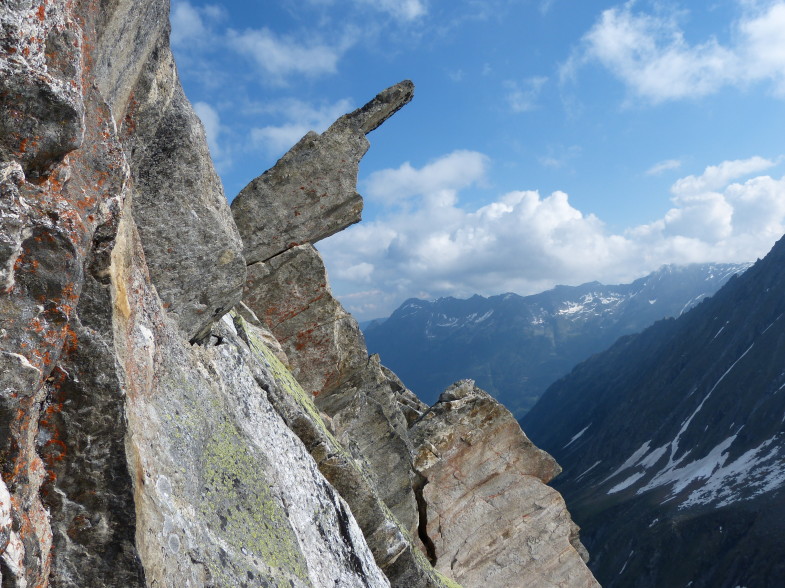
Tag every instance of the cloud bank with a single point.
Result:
(651, 56)
(428, 245)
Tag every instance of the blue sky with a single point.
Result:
(549, 142)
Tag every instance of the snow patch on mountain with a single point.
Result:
(700, 469)
(570, 308)
(577, 436)
(626, 483)
(753, 473)
(632, 461)
(586, 471)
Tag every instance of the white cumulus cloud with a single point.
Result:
(280, 56)
(436, 180)
(650, 54)
(428, 245)
(717, 176)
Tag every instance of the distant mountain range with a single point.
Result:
(516, 346)
(673, 443)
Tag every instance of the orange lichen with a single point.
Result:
(71, 341)
(55, 449)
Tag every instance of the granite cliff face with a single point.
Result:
(155, 430)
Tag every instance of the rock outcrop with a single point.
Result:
(192, 247)
(311, 193)
(489, 518)
(217, 502)
(290, 293)
(526, 529)
(151, 433)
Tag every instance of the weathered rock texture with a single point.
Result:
(311, 193)
(128, 456)
(192, 247)
(62, 180)
(225, 493)
(392, 547)
(148, 436)
(489, 518)
(291, 294)
(526, 529)
(323, 343)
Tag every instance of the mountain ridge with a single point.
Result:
(676, 435)
(182, 400)
(515, 346)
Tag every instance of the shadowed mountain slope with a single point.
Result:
(673, 442)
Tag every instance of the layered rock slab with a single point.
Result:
(367, 418)
(215, 502)
(311, 193)
(381, 425)
(393, 548)
(291, 294)
(490, 519)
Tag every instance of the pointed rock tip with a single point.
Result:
(459, 390)
(383, 106)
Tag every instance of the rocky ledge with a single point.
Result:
(182, 400)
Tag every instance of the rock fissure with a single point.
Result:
(422, 523)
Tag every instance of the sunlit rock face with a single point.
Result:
(192, 247)
(150, 433)
(311, 193)
(490, 518)
(129, 456)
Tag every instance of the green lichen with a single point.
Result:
(446, 581)
(286, 381)
(247, 527)
(283, 377)
(238, 499)
(436, 575)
